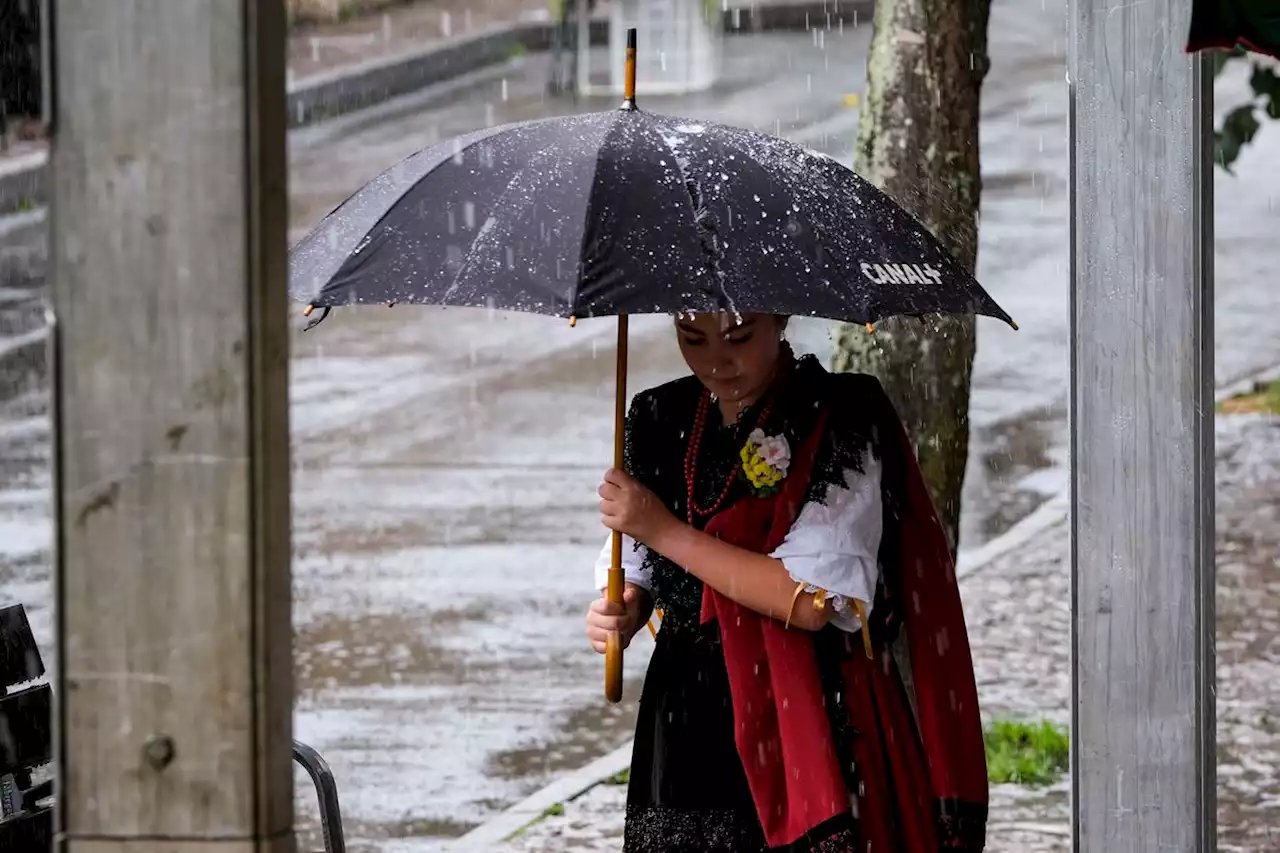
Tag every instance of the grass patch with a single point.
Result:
(1263, 399)
(553, 810)
(1022, 753)
(622, 777)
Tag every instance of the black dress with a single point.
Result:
(688, 792)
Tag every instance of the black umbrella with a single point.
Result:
(625, 212)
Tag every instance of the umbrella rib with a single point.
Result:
(703, 219)
(470, 262)
(393, 203)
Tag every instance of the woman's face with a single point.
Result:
(735, 361)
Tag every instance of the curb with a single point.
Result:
(23, 182)
(23, 237)
(1048, 515)
(24, 185)
(354, 87)
(1054, 511)
(1057, 509)
(533, 808)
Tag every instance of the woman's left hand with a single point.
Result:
(630, 508)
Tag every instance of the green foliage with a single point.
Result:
(620, 778)
(1023, 753)
(1241, 124)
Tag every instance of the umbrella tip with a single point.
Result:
(871, 328)
(307, 312)
(1013, 323)
(629, 81)
(573, 321)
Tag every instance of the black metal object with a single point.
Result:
(26, 738)
(26, 743)
(20, 659)
(27, 832)
(322, 777)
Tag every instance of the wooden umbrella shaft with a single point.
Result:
(617, 578)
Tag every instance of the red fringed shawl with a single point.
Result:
(922, 777)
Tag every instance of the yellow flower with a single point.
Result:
(759, 472)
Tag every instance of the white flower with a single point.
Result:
(773, 450)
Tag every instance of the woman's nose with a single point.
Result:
(722, 365)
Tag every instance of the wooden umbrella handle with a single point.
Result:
(613, 645)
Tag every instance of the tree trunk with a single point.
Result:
(918, 141)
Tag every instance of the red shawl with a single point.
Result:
(923, 779)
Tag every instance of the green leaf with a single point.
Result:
(1264, 81)
(1238, 129)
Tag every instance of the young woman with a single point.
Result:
(775, 516)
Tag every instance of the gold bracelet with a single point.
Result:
(861, 610)
(795, 596)
(820, 601)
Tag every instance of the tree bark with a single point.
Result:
(918, 141)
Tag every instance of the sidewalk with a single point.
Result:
(1018, 610)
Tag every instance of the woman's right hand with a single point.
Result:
(605, 617)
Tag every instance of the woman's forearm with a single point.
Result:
(753, 580)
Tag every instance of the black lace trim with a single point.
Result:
(962, 826)
(658, 829)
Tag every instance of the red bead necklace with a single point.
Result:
(691, 457)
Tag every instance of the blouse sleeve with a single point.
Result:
(633, 566)
(833, 546)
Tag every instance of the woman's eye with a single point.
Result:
(741, 340)
(694, 342)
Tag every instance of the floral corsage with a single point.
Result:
(765, 460)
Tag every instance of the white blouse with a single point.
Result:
(831, 546)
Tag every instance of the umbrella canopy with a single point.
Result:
(627, 212)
